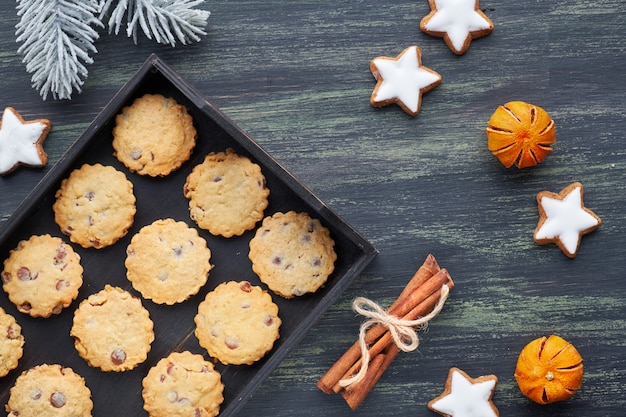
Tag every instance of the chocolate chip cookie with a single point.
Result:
(42, 275)
(112, 330)
(292, 253)
(11, 343)
(227, 194)
(237, 323)
(182, 384)
(49, 390)
(167, 261)
(154, 135)
(95, 206)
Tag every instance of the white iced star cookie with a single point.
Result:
(457, 22)
(465, 396)
(564, 219)
(21, 142)
(402, 80)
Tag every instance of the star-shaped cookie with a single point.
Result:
(402, 80)
(465, 396)
(564, 219)
(457, 22)
(21, 141)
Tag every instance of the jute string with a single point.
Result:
(403, 332)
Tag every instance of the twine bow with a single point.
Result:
(403, 331)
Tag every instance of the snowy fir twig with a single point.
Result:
(165, 21)
(58, 38)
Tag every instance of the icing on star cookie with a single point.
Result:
(457, 22)
(402, 80)
(564, 219)
(21, 141)
(465, 396)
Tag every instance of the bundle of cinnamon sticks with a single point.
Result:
(418, 299)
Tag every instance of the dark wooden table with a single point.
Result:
(295, 76)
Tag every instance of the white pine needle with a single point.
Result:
(57, 38)
(164, 21)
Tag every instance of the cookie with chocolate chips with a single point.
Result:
(11, 344)
(95, 206)
(49, 390)
(42, 275)
(154, 135)
(292, 253)
(237, 323)
(112, 330)
(167, 261)
(227, 194)
(183, 384)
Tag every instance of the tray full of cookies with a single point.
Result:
(166, 262)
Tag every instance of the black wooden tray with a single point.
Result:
(48, 340)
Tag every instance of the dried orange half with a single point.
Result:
(549, 370)
(520, 133)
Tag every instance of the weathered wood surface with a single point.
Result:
(295, 76)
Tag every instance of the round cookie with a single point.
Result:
(167, 261)
(292, 253)
(237, 323)
(227, 194)
(95, 206)
(42, 275)
(49, 391)
(154, 135)
(112, 330)
(11, 345)
(182, 384)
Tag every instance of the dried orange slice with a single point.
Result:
(549, 370)
(520, 133)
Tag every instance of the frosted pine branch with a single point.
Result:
(165, 21)
(58, 38)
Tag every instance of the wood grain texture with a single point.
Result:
(295, 76)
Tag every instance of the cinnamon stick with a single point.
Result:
(412, 300)
(403, 305)
(429, 268)
(418, 299)
(357, 394)
(386, 339)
